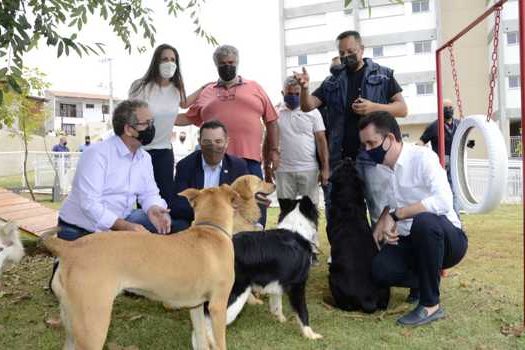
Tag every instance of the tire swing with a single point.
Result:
(494, 141)
(497, 164)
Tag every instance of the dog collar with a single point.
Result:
(209, 223)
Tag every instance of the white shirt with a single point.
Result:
(212, 175)
(108, 181)
(297, 139)
(163, 102)
(418, 177)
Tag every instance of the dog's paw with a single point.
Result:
(253, 300)
(310, 334)
(281, 318)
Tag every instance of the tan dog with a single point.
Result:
(182, 270)
(11, 249)
(253, 191)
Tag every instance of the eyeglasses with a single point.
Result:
(226, 94)
(148, 123)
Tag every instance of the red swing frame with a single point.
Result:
(441, 131)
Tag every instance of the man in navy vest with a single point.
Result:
(357, 86)
(208, 167)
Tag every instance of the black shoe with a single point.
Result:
(413, 296)
(419, 317)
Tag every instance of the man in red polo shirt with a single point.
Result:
(242, 106)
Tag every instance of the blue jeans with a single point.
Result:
(254, 168)
(71, 232)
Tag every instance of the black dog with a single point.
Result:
(276, 262)
(352, 245)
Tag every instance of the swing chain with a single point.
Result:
(456, 80)
(494, 68)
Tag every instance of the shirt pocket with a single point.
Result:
(333, 95)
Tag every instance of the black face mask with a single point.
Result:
(182, 139)
(146, 136)
(350, 62)
(88, 142)
(227, 72)
(448, 112)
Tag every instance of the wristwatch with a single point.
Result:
(392, 213)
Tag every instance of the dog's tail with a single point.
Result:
(55, 245)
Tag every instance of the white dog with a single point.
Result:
(11, 249)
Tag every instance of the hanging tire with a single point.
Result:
(497, 165)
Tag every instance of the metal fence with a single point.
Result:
(477, 173)
(515, 146)
(44, 166)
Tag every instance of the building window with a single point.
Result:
(90, 106)
(420, 6)
(512, 38)
(69, 129)
(105, 109)
(425, 88)
(377, 51)
(423, 46)
(302, 60)
(514, 81)
(68, 110)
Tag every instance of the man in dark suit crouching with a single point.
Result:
(208, 167)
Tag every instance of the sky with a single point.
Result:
(250, 25)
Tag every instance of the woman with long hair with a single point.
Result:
(162, 87)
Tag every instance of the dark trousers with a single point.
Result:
(163, 166)
(433, 244)
(254, 168)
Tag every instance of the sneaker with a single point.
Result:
(419, 317)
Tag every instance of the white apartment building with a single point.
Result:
(404, 37)
(507, 108)
(399, 36)
(78, 112)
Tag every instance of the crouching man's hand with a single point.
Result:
(123, 225)
(385, 230)
(160, 218)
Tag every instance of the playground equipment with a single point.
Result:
(481, 122)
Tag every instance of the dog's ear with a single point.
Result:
(235, 198)
(242, 187)
(9, 232)
(190, 194)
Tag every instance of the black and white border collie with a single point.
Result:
(275, 262)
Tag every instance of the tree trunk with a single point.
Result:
(24, 137)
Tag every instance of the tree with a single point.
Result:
(25, 111)
(25, 23)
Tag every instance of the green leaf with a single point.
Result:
(14, 84)
(347, 3)
(1, 97)
(60, 49)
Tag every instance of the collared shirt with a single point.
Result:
(297, 139)
(60, 148)
(108, 182)
(240, 108)
(418, 177)
(431, 134)
(212, 175)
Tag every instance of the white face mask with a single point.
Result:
(167, 69)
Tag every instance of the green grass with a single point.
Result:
(480, 296)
